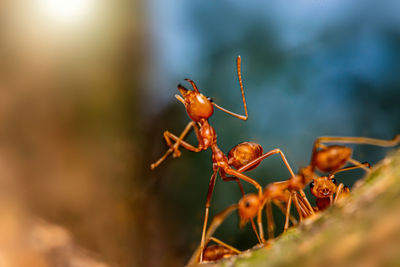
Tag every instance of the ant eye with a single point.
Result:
(312, 184)
(333, 180)
(247, 204)
(210, 99)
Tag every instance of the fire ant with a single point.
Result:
(324, 187)
(245, 156)
(275, 193)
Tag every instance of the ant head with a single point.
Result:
(197, 105)
(248, 208)
(331, 158)
(323, 187)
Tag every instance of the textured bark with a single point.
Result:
(362, 230)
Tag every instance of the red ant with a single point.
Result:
(200, 109)
(324, 187)
(276, 193)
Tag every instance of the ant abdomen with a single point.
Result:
(331, 158)
(244, 153)
(217, 252)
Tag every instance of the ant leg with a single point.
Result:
(364, 165)
(241, 117)
(216, 240)
(287, 213)
(283, 210)
(306, 210)
(306, 202)
(299, 208)
(270, 219)
(178, 141)
(360, 165)
(230, 178)
(240, 175)
(255, 230)
(266, 155)
(358, 140)
(209, 194)
(339, 191)
(215, 223)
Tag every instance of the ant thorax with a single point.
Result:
(207, 133)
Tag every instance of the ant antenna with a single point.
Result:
(241, 117)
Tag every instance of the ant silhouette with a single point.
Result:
(200, 108)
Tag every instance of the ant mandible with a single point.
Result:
(200, 109)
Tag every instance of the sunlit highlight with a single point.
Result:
(66, 10)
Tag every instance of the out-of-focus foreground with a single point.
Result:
(68, 150)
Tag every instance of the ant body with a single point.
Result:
(245, 156)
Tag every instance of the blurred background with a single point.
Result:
(87, 89)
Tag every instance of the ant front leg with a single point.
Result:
(339, 191)
(179, 142)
